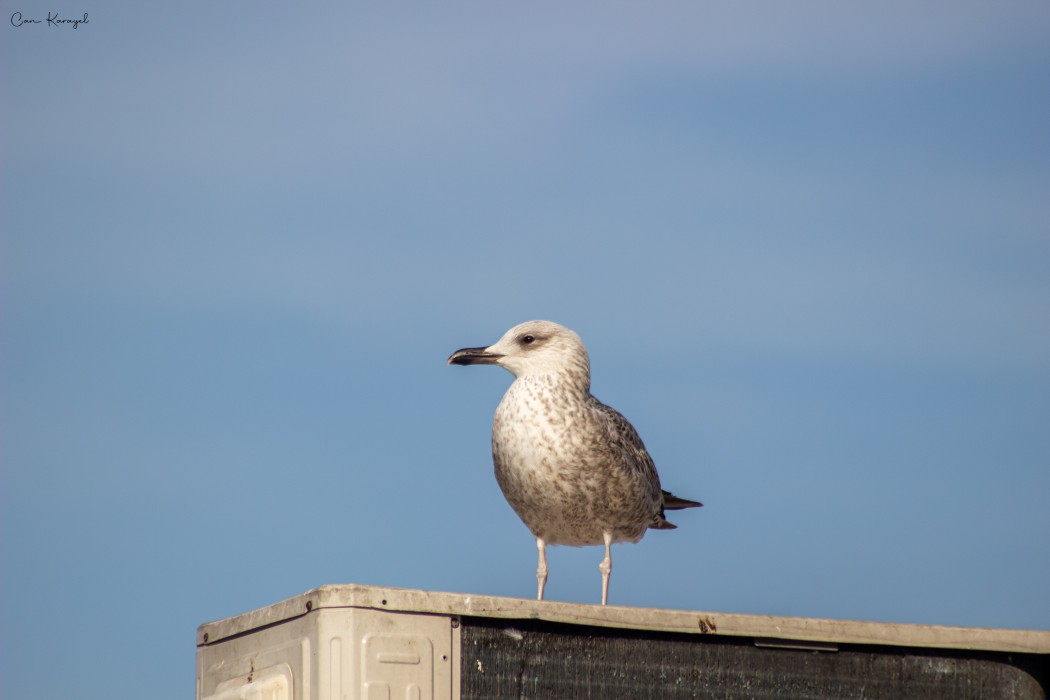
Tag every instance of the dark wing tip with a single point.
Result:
(673, 502)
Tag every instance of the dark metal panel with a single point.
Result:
(547, 661)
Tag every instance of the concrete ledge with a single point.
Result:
(766, 630)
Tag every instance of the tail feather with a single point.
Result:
(659, 523)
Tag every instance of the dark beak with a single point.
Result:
(474, 356)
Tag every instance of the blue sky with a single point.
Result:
(808, 248)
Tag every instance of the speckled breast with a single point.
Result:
(560, 474)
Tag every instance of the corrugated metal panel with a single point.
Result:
(549, 661)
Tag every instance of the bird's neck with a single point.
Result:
(574, 381)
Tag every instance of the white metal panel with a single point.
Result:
(332, 654)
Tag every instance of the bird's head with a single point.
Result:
(533, 348)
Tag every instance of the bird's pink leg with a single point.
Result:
(541, 570)
(606, 567)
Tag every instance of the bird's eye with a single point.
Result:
(527, 339)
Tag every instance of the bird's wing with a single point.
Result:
(623, 436)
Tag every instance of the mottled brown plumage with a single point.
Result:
(573, 469)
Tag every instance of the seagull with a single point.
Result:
(572, 468)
